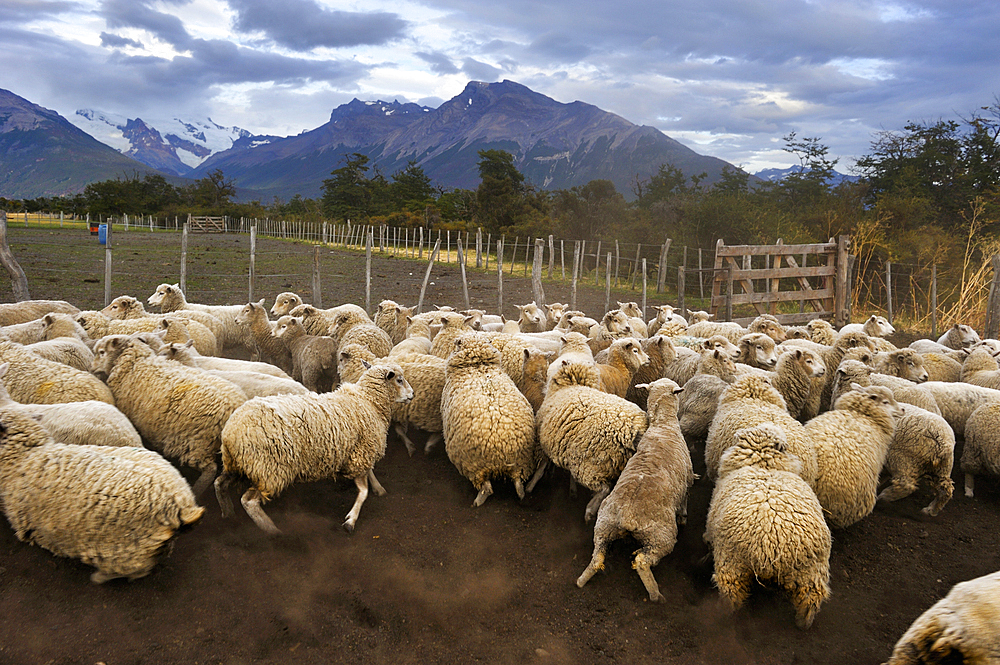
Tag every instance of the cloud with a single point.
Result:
(137, 14)
(480, 71)
(302, 25)
(117, 41)
(439, 62)
(16, 11)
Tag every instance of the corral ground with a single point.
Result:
(426, 577)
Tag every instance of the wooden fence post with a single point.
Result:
(661, 277)
(993, 306)
(18, 280)
(607, 283)
(934, 297)
(729, 293)
(597, 265)
(479, 248)
(317, 287)
(576, 269)
(427, 275)
(184, 257)
(562, 258)
(644, 287)
(842, 314)
(527, 248)
(681, 275)
(253, 262)
(888, 290)
(107, 266)
(552, 254)
(500, 275)
(513, 255)
(368, 272)
(635, 266)
(461, 266)
(536, 273)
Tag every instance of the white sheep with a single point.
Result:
(959, 336)
(852, 442)
(170, 298)
(35, 380)
(269, 348)
(765, 523)
(531, 318)
(959, 628)
(314, 357)
(650, 497)
(923, 445)
(392, 318)
(874, 326)
(488, 425)
(66, 350)
(127, 307)
(661, 352)
(757, 349)
(12, 313)
(178, 410)
(274, 441)
(187, 354)
(98, 325)
(586, 431)
(89, 422)
(979, 369)
(981, 453)
(904, 363)
(350, 327)
(957, 401)
(796, 375)
(729, 330)
(116, 509)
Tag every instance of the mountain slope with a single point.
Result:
(43, 154)
(555, 145)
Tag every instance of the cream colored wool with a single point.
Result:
(981, 369)
(729, 330)
(391, 317)
(276, 441)
(861, 354)
(452, 326)
(957, 401)
(904, 363)
(819, 396)
(254, 384)
(874, 326)
(748, 402)
(98, 325)
(186, 354)
(766, 324)
(418, 340)
(796, 376)
(512, 349)
(127, 307)
(765, 523)
(700, 399)
(28, 310)
(534, 377)
(116, 509)
(284, 303)
(28, 332)
(959, 336)
(32, 379)
(590, 433)
(650, 497)
(852, 443)
(635, 320)
(66, 350)
(531, 318)
(614, 325)
(941, 367)
(424, 373)
(269, 348)
(170, 298)
(665, 314)
(56, 326)
(821, 332)
(553, 314)
(981, 452)
(796, 332)
(757, 350)
(907, 392)
(685, 364)
(625, 357)
(576, 321)
(314, 357)
(178, 410)
(89, 422)
(661, 352)
(353, 328)
(923, 446)
(959, 628)
(488, 425)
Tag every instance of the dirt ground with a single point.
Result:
(427, 578)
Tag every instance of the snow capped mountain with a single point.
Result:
(777, 175)
(170, 145)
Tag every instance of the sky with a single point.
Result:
(728, 78)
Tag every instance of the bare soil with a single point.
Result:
(426, 577)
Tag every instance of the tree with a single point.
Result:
(807, 185)
(501, 191)
(411, 189)
(349, 193)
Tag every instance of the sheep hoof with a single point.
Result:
(658, 598)
(348, 526)
(484, 494)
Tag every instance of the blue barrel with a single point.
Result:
(102, 234)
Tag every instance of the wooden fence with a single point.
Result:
(768, 275)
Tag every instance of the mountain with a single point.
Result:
(43, 154)
(777, 175)
(172, 146)
(555, 145)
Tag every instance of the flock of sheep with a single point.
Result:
(797, 425)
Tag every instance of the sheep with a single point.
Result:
(661, 352)
(685, 364)
(127, 307)
(922, 445)
(874, 326)
(575, 321)
(452, 326)
(28, 332)
(635, 320)
(12, 313)
(116, 509)
(58, 325)
(852, 442)
(179, 410)
(531, 318)
(274, 441)
(35, 380)
(534, 377)
(426, 377)
(957, 401)
(959, 628)
(941, 367)
(284, 303)
(488, 425)
(187, 354)
(765, 523)
(418, 339)
(269, 348)
(665, 313)
(904, 363)
(97, 325)
(821, 332)
(697, 316)
(170, 298)
(89, 422)
(625, 356)
(819, 397)
(650, 497)
(979, 369)
(860, 353)
(729, 330)
(981, 453)
(585, 431)
(255, 384)
(351, 327)
(796, 332)
(553, 314)
(795, 377)
(768, 325)
(757, 349)
(907, 392)
(748, 402)
(700, 399)
(314, 357)
(392, 318)
(959, 336)
(613, 325)
(66, 350)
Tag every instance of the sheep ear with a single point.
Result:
(188, 344)
(260, 303)
(3, 369)
(565, 363)
(344, 355)
(642, 386)
(855, 386)
(798, 353)
(390, 375)
(527, 354)
(678, 390)
(366, 364)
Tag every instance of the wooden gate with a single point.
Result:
(767, 275)
(207, 224)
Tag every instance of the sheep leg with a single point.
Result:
(538, 474)
(205, 479)
(806, 598)
(643, 565)
(945, 489)
(733, 585)
(898, 489)
(970, 485)
(519, 488)
(222, 484)
(375, 484)
(352, 517)
(401, 432)
(432, 441)
(595, 503)
(596, 564)
(251, 501)
(572, 487)
(100, 577)
(485, 491)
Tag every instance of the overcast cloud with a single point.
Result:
(729, 78)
